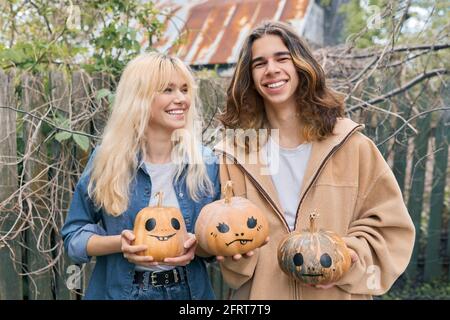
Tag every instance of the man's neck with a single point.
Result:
(286, 120)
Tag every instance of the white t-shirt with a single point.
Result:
(287, 167)
(161, 176)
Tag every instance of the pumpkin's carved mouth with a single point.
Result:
(312, 275)
(241, 241)
(162, 238)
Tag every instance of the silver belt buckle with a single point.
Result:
(154, 283)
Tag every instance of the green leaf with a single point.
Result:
(111, 98)
(81, 141)
(63, 135)
(102, 93)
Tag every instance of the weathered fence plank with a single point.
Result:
(60, 99)
(415, 201)
(80, 104)
(433, 258)
(10, 280)
(38, 234)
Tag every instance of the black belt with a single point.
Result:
(160, 278)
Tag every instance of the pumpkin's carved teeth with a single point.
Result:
(162, 238)
(241, 241)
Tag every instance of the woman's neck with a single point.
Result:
(286, 120)
(159, 147)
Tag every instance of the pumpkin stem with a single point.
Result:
(160, 196)
(228, 190)
(312, 221)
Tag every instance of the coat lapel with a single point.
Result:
(253, 165)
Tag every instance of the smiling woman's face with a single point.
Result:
(170, 106)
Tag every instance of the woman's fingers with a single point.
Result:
(128, 235)
(190, 241)
(184, 259)
(134, 249)
(134, 258)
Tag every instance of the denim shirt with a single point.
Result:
(112, 277)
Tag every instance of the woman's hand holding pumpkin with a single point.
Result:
(238, 256)
(189, 253)
(129, 250)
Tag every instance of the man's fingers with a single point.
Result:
(237, 257)
(353, 255)
(249, 254)
(326, 286)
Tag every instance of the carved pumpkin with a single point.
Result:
(314, 257)
(162, 229)
(231, 225)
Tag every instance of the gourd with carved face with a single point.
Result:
(162, 229)
(231, 225)
(314, 257)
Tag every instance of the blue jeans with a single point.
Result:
(174, 291)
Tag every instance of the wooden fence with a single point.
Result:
(38, 174)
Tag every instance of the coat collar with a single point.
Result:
(320, 153)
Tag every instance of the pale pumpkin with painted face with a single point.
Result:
(162, 229)
(233, 225)
(314, 257)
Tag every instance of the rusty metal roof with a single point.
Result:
(212, 31)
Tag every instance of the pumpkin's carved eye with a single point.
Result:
(223, 228)
(251, 223)
(298, 259)
(150, 224)
(325, 260)
(175, 223)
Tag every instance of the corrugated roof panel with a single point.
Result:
(294, 9)
(240, 23)
(214, 29)
(192, 28)
(216, 26)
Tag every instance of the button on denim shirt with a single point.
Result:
(112, 277)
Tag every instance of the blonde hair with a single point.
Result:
(116, 160)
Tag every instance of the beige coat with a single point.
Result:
(351, 186)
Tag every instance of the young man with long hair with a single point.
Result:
(316, 160)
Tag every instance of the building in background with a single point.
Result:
(209, 33)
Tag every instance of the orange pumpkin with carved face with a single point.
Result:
(233, 225)
(314, 256)
(162, 229)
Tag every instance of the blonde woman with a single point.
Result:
(148, 146)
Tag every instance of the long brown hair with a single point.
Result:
(318, 106)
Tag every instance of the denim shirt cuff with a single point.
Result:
(78, 244)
